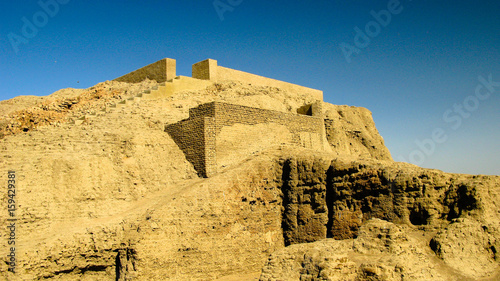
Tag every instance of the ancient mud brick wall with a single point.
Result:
(189, 135)
(209, 70)
(230, 114)
(197, 135)
(205, 70)
(161, 71)
(165, 70)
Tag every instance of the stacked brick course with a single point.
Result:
(205, 70)
(197, 135)
(189, 135)
(160, 71)
(165, 70)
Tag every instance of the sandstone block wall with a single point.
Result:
(205, 70)
(161, 71)
(230, 114)
(189, 135)
(209, 70)
(197, 135)
(165, 70)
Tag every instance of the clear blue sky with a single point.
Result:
(417, 72)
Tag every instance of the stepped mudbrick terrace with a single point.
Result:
(203, 141)
(218, 134)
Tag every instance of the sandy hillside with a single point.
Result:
(105, 194)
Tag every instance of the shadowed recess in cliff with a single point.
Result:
(305, 212)
(125, 264)
(333, 201)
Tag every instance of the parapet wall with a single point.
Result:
(229, 114)
(209, 70)
(161, 71)
(198, 135)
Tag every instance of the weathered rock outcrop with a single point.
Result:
(469, 246)
(305, 214)
(340, 201)
(26, 113)
(382, 251)
(351, 132)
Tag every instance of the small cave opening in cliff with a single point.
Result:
(419, 217)
(305, 110)
(78, 270)
(94, 268)
(460, 200)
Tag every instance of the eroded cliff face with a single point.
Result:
(305, 214)
(350, 131)
(382, 251)
(403, 214)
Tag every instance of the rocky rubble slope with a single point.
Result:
(26, 113)
(115, 199)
